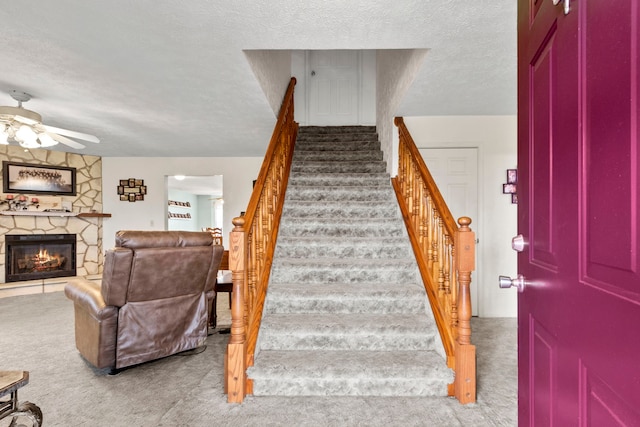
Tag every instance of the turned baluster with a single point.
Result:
(446, 265)
(402, 169)
(453, 289)
(417, 185)
(441, 243)
(253, 265)
(422, 220)
(429, 241)
(434, 244)
(410, 183)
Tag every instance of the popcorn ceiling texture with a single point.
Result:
(204, 79)
(346, 313)
(89, 256)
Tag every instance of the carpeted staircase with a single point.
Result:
(346, 313)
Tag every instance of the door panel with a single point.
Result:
(543, 357)
(603, 406)
(611, 257)
(542, 93)
(579, 172)
(334, 87)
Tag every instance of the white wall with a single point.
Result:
(182, 223)
(205, 213)
(495, 137)
(150, 214)
(395, 71)
(272, 69)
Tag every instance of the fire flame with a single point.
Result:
(43, 255)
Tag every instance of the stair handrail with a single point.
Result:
(445, 254)
(251, 245)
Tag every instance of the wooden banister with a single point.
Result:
(445, 254)
(251, 245)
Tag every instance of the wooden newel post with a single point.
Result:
(465, 381)
(235, 357)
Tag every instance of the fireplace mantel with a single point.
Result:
(39, 213)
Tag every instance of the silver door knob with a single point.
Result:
(518, 243)
(506, 282)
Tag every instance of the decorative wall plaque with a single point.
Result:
(132, 190)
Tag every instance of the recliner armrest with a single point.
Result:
(87, 294)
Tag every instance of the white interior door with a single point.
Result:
(334, 85)
(455, 171)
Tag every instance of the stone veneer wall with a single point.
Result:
(89, 255)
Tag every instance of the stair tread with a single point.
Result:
(355, 323)
(353, 175)
(342, 188)
(339, 204)
(346, 263)
(332, 290)
(352, 222)
(342, 162)
(331, 298)
(348, 364)
(355, 240)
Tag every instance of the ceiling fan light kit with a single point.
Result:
(26, 128)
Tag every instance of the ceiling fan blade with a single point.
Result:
(25, 120)
(66, 141)
(72, 134)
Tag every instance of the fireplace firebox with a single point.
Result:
(39, 256)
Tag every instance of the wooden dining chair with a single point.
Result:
(216, 233)
(220, 287)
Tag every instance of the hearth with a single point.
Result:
(39, 256)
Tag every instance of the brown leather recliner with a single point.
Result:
(154, 301)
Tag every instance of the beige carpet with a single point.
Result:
(37, 335)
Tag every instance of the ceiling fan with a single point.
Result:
(26, 128)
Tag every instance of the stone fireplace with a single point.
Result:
(39, 256)
(83, 221)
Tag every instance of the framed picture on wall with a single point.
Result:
(509, 188)
(38, 179)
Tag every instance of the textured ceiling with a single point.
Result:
(170, 78)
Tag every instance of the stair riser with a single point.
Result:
(347, 136)
(338, 230)
(346, 306)
(335, 130)
(350, 387)
(318, 276)
(326, 210)
(329, 147)
(331, 251)
(349, 180)
(355, 194)
(341, 233)
(340, 167)
(335, 342)
(330, 156)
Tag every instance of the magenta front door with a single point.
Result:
(579, 213)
